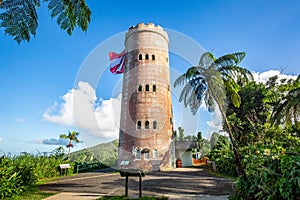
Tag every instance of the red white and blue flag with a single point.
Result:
(117, 62)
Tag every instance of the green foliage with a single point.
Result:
(19, 18)
(70, 14)
(19, 173)
(248, 120)
(106, 154)
(289, 110)
(204, 146)
(176, 139)
(10, 179)
(272, 173)
(222, 154)
(181, 133)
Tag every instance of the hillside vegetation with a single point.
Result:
(105, 153)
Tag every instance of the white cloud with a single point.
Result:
(0, 139)
(215, 124)
(264, 76)
(82, 108)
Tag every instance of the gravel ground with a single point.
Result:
(182, 183)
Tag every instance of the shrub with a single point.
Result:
(271, 174)
(18, 173)
(10, 180)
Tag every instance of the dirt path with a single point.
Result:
(185, 183)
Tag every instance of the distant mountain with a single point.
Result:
(105, 153)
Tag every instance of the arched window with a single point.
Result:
(146, 124)
(147, 87)
(138, 155)
(147, 56)
(139, 125)
(154, 88)
(155, 153)
(153, 57)
(154, 124)
(146, 153)
(140, 88)
(140, 57)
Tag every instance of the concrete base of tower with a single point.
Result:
(129, 160)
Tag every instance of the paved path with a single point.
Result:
(184, 183)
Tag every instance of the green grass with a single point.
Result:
(32, 194)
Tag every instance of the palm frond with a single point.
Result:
(235, 71)
(206, 60)
(288, 111)
(64, 136)
(230, 59)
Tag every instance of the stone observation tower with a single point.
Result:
(146, 125)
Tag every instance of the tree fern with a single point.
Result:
(70, 13)
(20, 20)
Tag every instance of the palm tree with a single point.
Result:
(72, 136)
(20, 20)
(209, 81)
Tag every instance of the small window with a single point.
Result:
(153, 57)
(155, 153)
(146, 155)
(140, 88)
(139, 125)
(147, 56)
(138, 155)
(168, 87)
(147, 125)
(140, 57)
(171, 121)
(147, 88)
(167, 59)
(154, 88)
(154, 124)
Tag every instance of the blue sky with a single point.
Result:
(37, 78)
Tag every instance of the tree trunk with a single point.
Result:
(238, 164)
(69, 153)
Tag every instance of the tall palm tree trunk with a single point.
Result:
(69, 152)
(238, 164)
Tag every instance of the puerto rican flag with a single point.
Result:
(117, 62)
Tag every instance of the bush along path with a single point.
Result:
(20, 173)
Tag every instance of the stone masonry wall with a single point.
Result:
(146, 116)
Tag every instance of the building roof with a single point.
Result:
(186, 145)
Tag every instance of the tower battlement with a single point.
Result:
(146, 28)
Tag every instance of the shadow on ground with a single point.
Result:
(182, 182)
